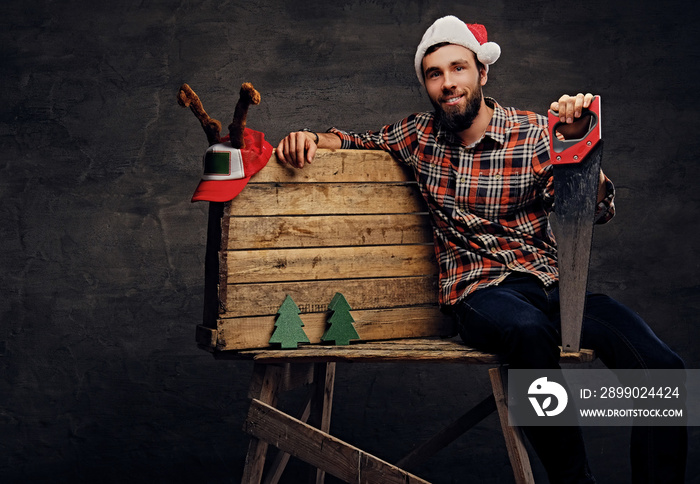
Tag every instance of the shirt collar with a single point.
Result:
(496, 130)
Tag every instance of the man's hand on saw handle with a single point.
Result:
(299, 148)
(570, 109)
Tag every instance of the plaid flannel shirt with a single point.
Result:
(490, 203)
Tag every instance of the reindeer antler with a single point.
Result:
(186, 97)
(247, 97)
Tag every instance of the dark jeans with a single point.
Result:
(519, 320)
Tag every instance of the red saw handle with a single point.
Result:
(574, 150)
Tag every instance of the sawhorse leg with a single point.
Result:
(321, 406)
(270, 379)
(267, 382)
(517, 453)
(264, 386)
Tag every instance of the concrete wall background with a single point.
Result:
(101, 252)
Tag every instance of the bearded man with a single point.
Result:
(486, 176)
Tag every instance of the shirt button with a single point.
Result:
(493, 250)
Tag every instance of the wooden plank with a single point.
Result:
(405, 350)
(322, 404)
(324, 199)
(321, 449)
(357, 354)
(265, 382)
(446, 345)
(517, 453)
(417, 343)
(205, 336)
(329, 231)
(412, 322)
(338, 165)
(278, 265)
(314, 296)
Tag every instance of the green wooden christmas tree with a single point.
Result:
(341, 329)
(288, 333)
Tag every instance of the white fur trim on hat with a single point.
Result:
(452, 30)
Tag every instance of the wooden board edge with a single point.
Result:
(205, 337)
(213, 265)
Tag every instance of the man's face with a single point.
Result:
(453, 81)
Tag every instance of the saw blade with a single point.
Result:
(575, 189)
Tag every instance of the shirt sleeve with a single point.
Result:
(354, 141)
(543, 169)
(606, 208)
(400, 139)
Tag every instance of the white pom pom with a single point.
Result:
(489, 53)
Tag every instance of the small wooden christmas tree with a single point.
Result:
(341, 329)
(288, 333)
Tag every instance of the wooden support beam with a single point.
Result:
(517, 453)
(214, 279)
(321, 449)
(282, 458)
(382, 351)
(264, 386)
(316, 409)
(322, 404)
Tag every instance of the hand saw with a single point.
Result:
(576, 165)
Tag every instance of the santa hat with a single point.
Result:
(452, 30)
(227, 170)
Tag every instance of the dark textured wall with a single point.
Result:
(101, 255)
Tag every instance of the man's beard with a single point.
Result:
(456, 120)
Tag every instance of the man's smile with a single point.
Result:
(453, 100)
